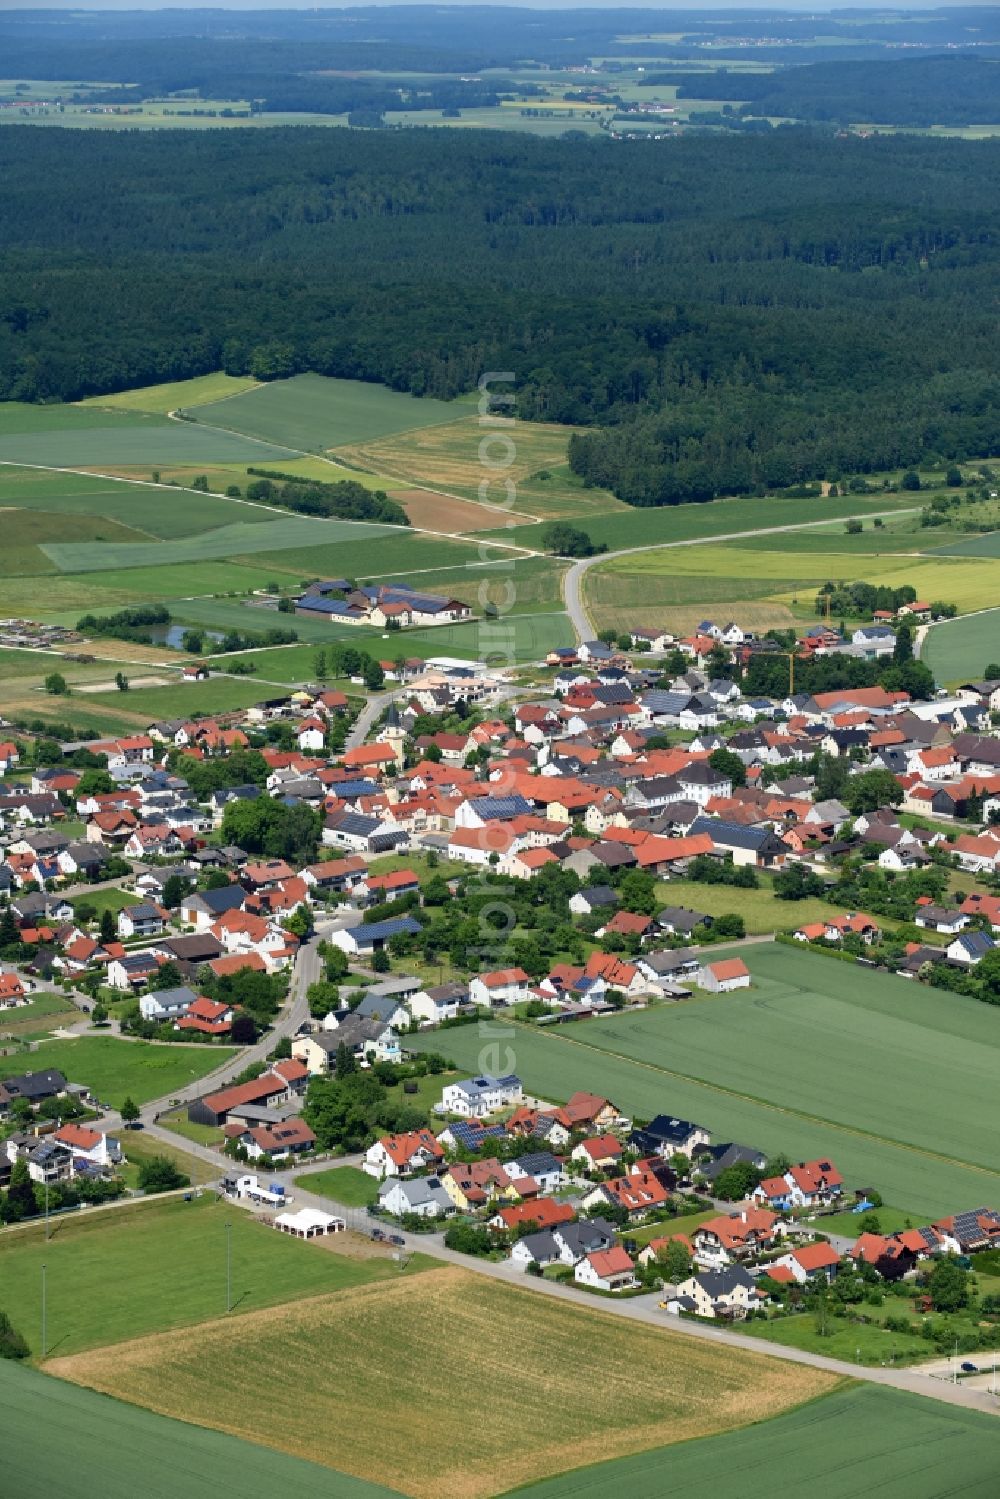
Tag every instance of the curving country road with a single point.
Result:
(573, 594)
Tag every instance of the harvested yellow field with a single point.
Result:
(430, 511)
(460, 455)
(447, 1386)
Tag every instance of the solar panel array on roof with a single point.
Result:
(500, 808)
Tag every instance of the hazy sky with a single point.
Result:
(705, 5)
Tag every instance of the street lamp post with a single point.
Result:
(229, 1267)
(44, 1328)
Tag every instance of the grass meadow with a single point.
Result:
(347, 1184)
(127, 1272)
(890, 1080)
(442, 1333)
(861, 1439)
(114, 1069)
(314, 412)
(99, 1446)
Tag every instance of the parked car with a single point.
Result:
(968, 1368)
(396, 1239)
(378, 1233)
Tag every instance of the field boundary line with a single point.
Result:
(776, 1108)
(340, 468)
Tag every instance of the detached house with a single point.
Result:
(607, 1270)
(476, 1097)
(809, 1184)
(401, 1155)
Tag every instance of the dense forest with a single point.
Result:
(951, 89)
(732, 312)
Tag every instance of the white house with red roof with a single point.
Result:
(401, 1155)
(724, 975)
(505, 986)
(607, 1270)
(809, 1260)
(809, 1184)
(13, 992)
(88, 1145)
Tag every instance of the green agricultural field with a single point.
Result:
(961, 649)
(637, 528)
(28, 534)
(389, 552)
(859, 1440)
(127, 1249)
(100, 1446)
(153, 510)
(313, 412)
(347, 1184)
(239, 537)
(971, 546)
(133, 439)
(200, 391)
(115, 1069)
(891, 1080)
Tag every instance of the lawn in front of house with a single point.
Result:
(346, 1184)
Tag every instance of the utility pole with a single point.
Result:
(229, 1268)
(46, 1208)
(45, 1344)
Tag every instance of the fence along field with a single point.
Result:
(754, 1067)
(316, 412)
(406, 1350)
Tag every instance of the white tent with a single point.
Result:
(307, 1223)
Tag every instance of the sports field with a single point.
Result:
(314, 412)
(125, 1272)
(114, 1069)
(961, 649)
(897, 1083)
(446, 1359)
(858, 1441)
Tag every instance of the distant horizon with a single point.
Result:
(787, 7)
